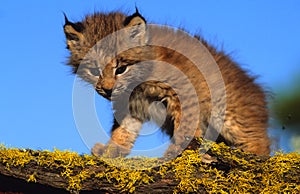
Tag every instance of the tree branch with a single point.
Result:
(233, 170)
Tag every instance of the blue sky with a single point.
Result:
(36, 87)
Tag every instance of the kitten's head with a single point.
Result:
(104, 47)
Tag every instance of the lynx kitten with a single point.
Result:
(156, 82)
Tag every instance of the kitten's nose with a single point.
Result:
(108, 92)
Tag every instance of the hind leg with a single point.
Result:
(252, 139)
(184, 133)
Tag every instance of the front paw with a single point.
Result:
(98, 149)
(113, 150)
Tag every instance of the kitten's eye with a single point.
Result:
(95, 71)
(120, 70)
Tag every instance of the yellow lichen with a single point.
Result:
(126, 180)
(14, 157)
(278, 174)
(76, 180)
(31, 178)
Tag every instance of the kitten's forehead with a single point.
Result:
(100, 25)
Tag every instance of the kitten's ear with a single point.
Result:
(73, 32)
(137, 25)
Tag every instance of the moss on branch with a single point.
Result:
(234, 171)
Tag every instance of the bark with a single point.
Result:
(50, 180)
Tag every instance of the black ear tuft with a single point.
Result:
(67, 22)
(135, 15)
(136, 10)
(76, 26)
